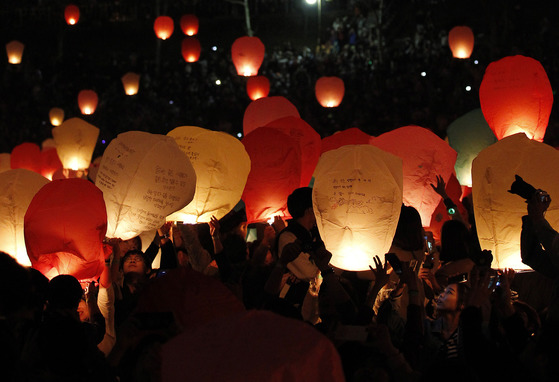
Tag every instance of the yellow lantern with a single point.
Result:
(5, 162)
(14, 49)
(56, 116)
(222, 166)
(144, 178)
(131, 83)
(75, 142)
(87, 101)
(17, 189)
(357, 197)
(461, 41)
(498, 213)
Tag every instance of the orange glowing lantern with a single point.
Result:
(189, 24)
(69, 241)
(87, 101)
(461, 41)
(75, 142)
(26, 155)
(516, 96)
(50, 162)
(131, 83)
(329, 91)
(247, 54)
(71, 14)
(14, 50)
(163, 27)
(190, 49)
(56, 116)
(258, 87)
(5, 164)
(265, 110)
(351, 136)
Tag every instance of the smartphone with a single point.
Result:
(394, 262)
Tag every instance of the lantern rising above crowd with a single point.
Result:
(72, 14)
(164, 27)
(189, 24)
(247, 54)
(461, 41)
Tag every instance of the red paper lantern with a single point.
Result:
(163, 27)
(516, 96)
(351, 136)
(440, 215)
(247, 54)
(189, 25)
(461, 41)
(329, 91)
(87, 101)
(265, 110)
(72, 14)
(258, 87)
(26, 155)
(308, 140)
(191, 49)
(64, 228)
(50, 162)
(275, 172)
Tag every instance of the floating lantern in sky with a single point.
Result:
(275, 172)
(14, 50)
(69, 241)
(351, 136)
(222, 166)
(265, 110)
(461, 41)
(26, 155)
(329, 91)
(516, 96)
(189, 24)
(87, 101)
(190, 49)
(163, 27)
(247, 54)
(468, 135)
(144, 178)
(499, 213)
(17, 189)
(56, 116)
(131, 83)
(357, 198)
(71, 14)
(75, 142)
(424, 156)
(258, 87)
(5, 162)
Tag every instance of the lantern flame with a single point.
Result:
(270, 220)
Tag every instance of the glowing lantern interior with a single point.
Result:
(265, 110)
(329, 91)
(56, 116)
(190, 49)
(189, 24)
(72, 14)
(163, 27)
(247, 54)
(87, 101)
(75, 142)
(258, 87)
(14, 50)
(461, 41)
(131, 83)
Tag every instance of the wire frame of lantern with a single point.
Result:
(461, 41)
(247, 54)
(56, 116)
(163, 27)
(190, 49)
(329, 91)
(14, 50)
(87, 101)
(131, 83)
(189, 24)
(258, 87)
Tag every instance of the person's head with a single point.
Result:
(83, 310)
(299, 205)
(409, 231)
(182, 257)
(235, 222)
(452, 298)
(455, 241)
(131, 244)
(64, 292)
(134, 262)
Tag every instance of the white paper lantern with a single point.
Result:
(75, 142)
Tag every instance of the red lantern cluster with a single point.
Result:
(72, 14)
(247, 54)
(258, 87)
(190, 49)
(189, 24)
(163, 27)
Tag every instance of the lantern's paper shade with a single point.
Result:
(17, 189)
(72, 14)
(48, 144)
(329, 91)
(75, 142)
(144, 178)
(94, 168)
(468, 135)
(351, 136)
(258, 87)
(516, 96)
(26, 155)
(308, 140)
(56, 116)
(190, 49)
(275, 172)
(87, 101)
(64, 227)
(5, 162)
(357, 197)
(265, 110)
(440, 215)
(131, 83)
(499, 213)
(189, 24)
(424, 156)
(461, 41)
(50, 162)
(14, 50)
(247, 54)
(222, 166)
(163, 27)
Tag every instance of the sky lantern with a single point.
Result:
(498, 213)
(17, 189)
(329, 91)
(308, 140)
(163, 27)
(247, 54)
(26, 155)
(424, 156)
(71, 14)
(75, 142)
(190, 49)
(144, 178)
(468, 135)
(258, 87)
(222, 166)
(56, 116)
(265, 110)
(5, 162)
(131, 83)
(275, 172)
(14, 50)
(351, 136)
(50, 162)
(357, 197)
(516, 96)
(87, 101)
(461, 41)
(70, 240)
(189, 24)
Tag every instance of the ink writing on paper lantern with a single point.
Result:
(75, 142)
(461, 41)
(87, 101)
(163, 27)
(357, 198)
(72, 14)
(190, 49)
(265, 110)
(131, 83)
(247, 54)
(329, 91)
(56, 116)
(14, 50)
(351, 136)
(189, 24)
(144, 178)
(258, 87)
(26, 155)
